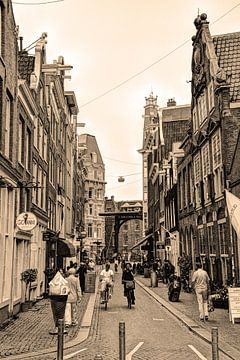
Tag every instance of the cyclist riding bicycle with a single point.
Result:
(127, 275)
(106, 278)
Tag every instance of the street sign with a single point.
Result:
(234, 303)
(26, 221)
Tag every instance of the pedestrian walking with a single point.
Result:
(200, 283)
(81, 272)
(73, 296)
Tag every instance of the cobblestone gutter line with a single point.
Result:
(192, 325)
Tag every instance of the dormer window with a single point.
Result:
(195, 119)
(202, 108)
(210, 96)
(93, 157)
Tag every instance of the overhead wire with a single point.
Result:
(151, 65)
(121, 161)
(117, 187)
(36, 3)
(125, 175)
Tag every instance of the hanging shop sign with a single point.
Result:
(26, 221)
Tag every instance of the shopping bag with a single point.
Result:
(130, 284)
(58, 285)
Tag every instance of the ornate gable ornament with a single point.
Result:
(204, 58)
(40, 58)
(201, 136)
(212, 123)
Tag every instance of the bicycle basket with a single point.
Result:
(130, 284)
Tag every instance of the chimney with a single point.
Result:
(171, 102)
(21, 43)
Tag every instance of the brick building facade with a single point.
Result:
(209, 151)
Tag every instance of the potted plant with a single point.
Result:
(28, 276)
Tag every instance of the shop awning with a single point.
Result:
(142, 241)
(65, 248)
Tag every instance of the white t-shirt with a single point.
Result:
(107, 275)
(200, 279)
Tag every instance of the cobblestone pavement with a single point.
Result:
(162, 335)
(30, 331)
(188, 306)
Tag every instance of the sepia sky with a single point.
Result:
(121, 50)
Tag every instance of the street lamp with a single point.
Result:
(80, 238)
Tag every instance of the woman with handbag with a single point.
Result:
(128, 278)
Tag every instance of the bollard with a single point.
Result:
(60, 339)
(122, 350)
(215, 352)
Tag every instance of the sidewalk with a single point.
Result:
(187, 311)
(28, 336)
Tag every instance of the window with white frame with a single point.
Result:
(44, 184)
(35, 133)
(28, 149)
(99, 194)
(45, 145)
(205, 169)
(90, 193)
(7, 127)
(195, 119)
(197, 178)
(202, 240)
(222, 237)
(191, 187)
(90, 208)
(210, 95)
(217, 163)
(202, 108)
(40, 139)
(99, 231)
(90, 230)
(21, 140)
(39, 200)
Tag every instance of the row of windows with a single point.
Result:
(95, 193)
(40, 138)
(95, 232)
(207, 179)
(94, 210)
(39, 193)
(204, 105)
(209, 244)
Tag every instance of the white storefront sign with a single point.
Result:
(26, 221)
(234, 303)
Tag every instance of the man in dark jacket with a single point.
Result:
(81, 273)
(127, 275)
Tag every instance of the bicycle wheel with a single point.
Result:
(129, 299)
(106, 299)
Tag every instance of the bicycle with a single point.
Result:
(106, 296)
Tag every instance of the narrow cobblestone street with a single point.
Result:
(161, 334)
(149, 326)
